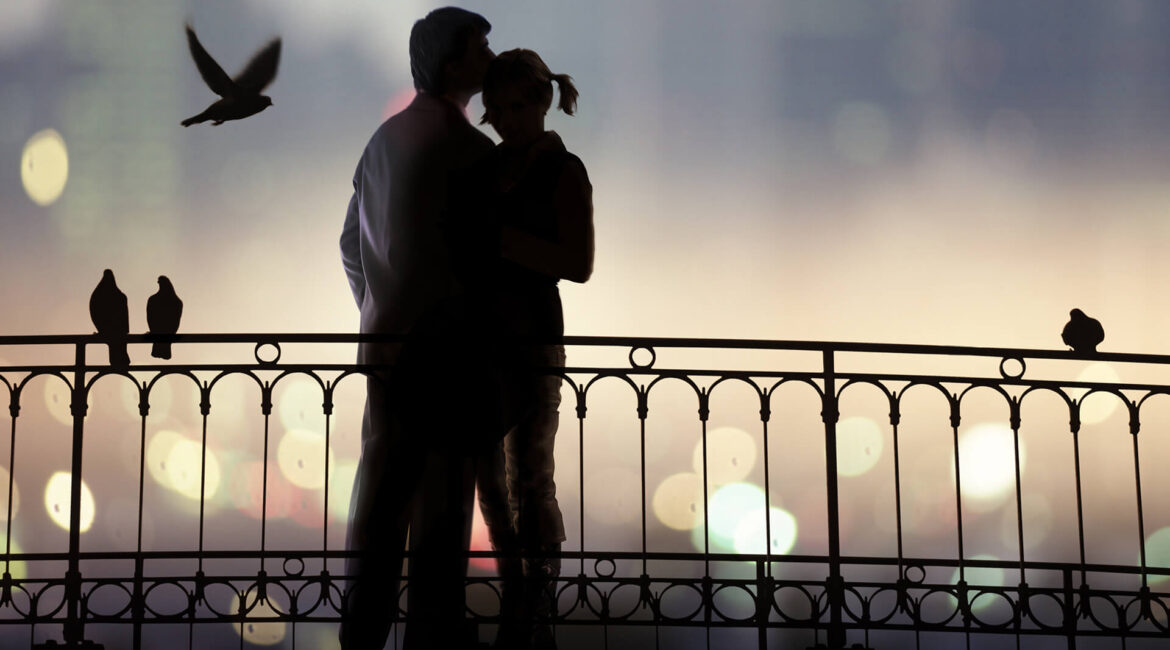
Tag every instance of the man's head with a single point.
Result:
(449, 51)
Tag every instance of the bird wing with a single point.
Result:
(95, 309)
(108, 310)
(216, 79)
(163, 312)
(120, 312)
(154, 316)
(261, 70)
(1098, 332)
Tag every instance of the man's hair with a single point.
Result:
(526, 71)
(438, 39)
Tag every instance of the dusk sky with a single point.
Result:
(944, 172)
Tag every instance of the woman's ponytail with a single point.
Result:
(568, 93)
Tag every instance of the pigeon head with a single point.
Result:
(1076, 313)
(265, 100)
(165, 283)
(107, 275)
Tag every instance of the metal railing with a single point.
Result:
(815, 593)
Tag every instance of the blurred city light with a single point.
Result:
(258, 633)
(859, 445)
(185, 470)
(752, 530)
(731, 454)
(301, 456)
(987, 463)
(678, 501)
(44, 167)
(57, 501)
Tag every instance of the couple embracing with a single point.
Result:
(459, 244)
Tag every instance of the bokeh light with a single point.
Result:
(980, 577)
(480, 540)
(399, 101)
(1158, 553)
(18, 570)
(160, 399)
(57, 398)
(305, 507)
(256, 632)
(158, 455)
(341, 489)
(752, 529)
(678, 501)
(859, 446)
(987, 463)
(57, 501)
(731, 454)
(248, 494)
(301, 457)
(44, 167)
(184, 474)
(729, 506)
(1097, 408)
(300, 405)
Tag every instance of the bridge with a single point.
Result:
(717, 493)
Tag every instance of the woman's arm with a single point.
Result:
(571, 257)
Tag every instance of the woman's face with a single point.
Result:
(517, 120)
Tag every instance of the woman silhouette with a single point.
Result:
(542, 201)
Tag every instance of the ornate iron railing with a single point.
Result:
(788, 590)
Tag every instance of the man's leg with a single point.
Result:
(440, 534)
(385, 483)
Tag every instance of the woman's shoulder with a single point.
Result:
(572, 166)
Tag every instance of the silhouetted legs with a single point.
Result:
(388, 474)
(403, 481)
(536, 525)
(440, 534)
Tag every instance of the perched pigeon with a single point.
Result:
(1082, 333)
(241, 96)
(163, 311)
(111, 317)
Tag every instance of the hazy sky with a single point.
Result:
(893, 171)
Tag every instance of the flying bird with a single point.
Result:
(111, 317)
(1082, 333)
(163, 311)
(240, 96)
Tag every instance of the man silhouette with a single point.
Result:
(399, 269)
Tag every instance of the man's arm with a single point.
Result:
(351, 247)
(571, 257)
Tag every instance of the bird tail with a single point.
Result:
(119, 358)
(161, 350)
(194, 119)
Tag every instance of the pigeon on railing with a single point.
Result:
(163, 311)
(240, 96)
(1082, 333)
(111, 316)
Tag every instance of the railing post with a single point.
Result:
(1070, 610)
(835, 584)
(74, 627)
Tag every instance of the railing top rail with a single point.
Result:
(625, 341)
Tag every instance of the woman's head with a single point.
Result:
(518, 91)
